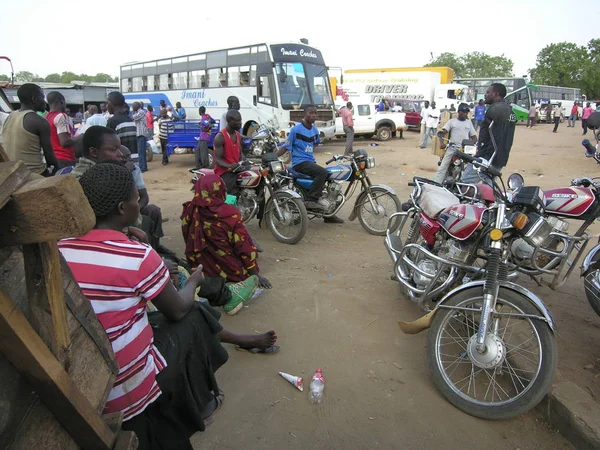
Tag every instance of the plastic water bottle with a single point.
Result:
(317, 386)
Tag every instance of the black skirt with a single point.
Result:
(194, 353)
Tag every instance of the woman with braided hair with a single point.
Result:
(166, 386)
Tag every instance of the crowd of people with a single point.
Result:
(160, 311)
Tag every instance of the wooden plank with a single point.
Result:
(13, 175)
(3, 155)
(46, 209)
(26, 351)
(43, 278)
(127, 440)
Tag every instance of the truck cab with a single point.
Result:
(368, 122)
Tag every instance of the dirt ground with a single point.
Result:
(334, 306)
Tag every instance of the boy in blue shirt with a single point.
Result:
(302, 140)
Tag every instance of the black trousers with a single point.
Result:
(230, 181)
(165, 154)
(202, 155)
(556, 122)
(215, 290)
(319, 175)
(584, 125)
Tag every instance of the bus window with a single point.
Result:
(213, 77)
(233, 76)
(180, 80)
(244, 76)
(265, 90)
(163, 81)
(125, 85)
(292, 84)
(223, 78)
(197, 79)
(150, 86)
(136, 84)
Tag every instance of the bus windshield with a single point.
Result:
(303, 84)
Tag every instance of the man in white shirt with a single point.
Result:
(424, 114)
(397, 107)
(433, 119)
(96, 118)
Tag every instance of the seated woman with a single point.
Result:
(215, 236)
(166, 386)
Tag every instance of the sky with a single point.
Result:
(91, 37)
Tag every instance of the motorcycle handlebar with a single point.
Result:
(475, 161)
(330, 161)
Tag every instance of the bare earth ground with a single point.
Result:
(334, 306)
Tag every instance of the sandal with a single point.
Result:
(267, 351)
(219, 400)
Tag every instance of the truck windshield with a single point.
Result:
(303, 84)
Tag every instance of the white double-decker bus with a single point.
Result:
(272, 81)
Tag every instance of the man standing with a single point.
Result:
(558, 115)
(206, 125)
(104, 111)
(165, 125)
(433, 120)
(87, 114)
(179, 113)
(228, 150)
(232, 103)
(585, 115)
(531, 118)
(348, 122)
(150, 118)
(61, 130)
(141, 133)
(573, 116)
(301, 143)
(479, 114)
(121, 122)
(79, 115)
(424, 114)
(24, 132)
(95, 118)
(460, 128)
(503, 131)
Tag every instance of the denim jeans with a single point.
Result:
(141, 147)
(428, 130)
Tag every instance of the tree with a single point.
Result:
(475, 65)
(570, 65)
(104, 78)
(27, 77)
(52, 78)
(67, 77)
(4, 77)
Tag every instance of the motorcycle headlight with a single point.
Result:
(277, 166)
(370, 162)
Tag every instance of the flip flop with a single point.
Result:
(219, 399)
(267, 351)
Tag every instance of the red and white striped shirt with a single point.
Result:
(119, 276)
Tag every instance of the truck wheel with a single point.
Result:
(384, 133)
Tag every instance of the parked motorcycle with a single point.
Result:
(373, 206)
(264, 140)
(491, 346)
(282, 209)
(457, 165)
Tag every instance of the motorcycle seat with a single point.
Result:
(294, 174)
(434, 199)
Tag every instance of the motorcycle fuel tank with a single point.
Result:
(460, 221)
(569, 201)
(248, 179)
(341, 172)
(428, 228)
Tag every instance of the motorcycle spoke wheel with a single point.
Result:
(514, 373)
(289, 227)
(375, 220)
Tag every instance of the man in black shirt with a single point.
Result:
(121, 122)
(502, 132)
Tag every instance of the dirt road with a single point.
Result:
(334, 306)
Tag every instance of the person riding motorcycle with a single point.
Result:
(460, 128)
(300, 143)
(228, 154)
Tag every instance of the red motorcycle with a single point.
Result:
(260, 195)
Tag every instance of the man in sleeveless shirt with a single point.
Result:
(61, 130)
(228, 151)
(26, 134)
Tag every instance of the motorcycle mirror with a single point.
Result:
(282, 76)
(515, 181)
(342, 79)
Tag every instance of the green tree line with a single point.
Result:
(65, 77)
(562, 64)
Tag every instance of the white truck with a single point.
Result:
(368, 122)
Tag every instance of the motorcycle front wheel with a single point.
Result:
(514, 373)
(290, 226)
(375, 221)
(591, 284)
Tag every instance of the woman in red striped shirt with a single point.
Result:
(166, 386)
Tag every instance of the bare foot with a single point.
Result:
(260, 341)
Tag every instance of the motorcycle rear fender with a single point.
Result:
(359, 199)
(424, 322)
(592, 256)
